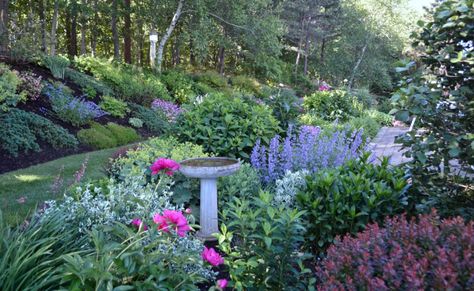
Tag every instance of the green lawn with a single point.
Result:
(22, 190)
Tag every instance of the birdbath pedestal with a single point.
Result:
(208, 170)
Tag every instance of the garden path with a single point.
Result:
(384, 144)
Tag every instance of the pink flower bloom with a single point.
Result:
(222, 283)
(212, 257)
(172, 219)
(324, 87)
(188, 211)
(137, 222)
(162, 164)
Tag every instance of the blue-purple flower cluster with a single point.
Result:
(307, 150)
(169, 109)
(75, 110)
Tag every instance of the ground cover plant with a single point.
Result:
(21, 131)
(111, 135)
(9, 82)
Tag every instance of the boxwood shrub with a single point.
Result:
(228, 126)
(332, 105)
(101, 137)
(345, 199)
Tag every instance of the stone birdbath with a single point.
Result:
(208, 170)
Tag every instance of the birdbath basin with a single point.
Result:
(208, 170)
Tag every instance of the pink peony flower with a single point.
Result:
(162, 164)
(222, 283)
(212, 257)
(137, 222)
(172, 219)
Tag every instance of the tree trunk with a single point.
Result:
(323, 47)
(83, 28)
(115, 31)
(94, 30)
(300, 44)
(3, 26)
(306, 53)
(127, 50)
(176, 53)
(41, 10)
(140, 42)
(356, 67)
(192, 56)
(221, 60)
(159, 59)
(72, 32)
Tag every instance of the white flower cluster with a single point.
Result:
(288, 186)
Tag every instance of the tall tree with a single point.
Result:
(166, 36)
(127, 33)
(115, 34)
(54, 27)
(83, 26)
(4, 25)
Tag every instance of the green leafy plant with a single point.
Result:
(244, 184)
(127, 82)
(114, 106)
(111, 135)
(370, 126)
(154, 121)
(262, 244)
(381, 118)
(135, 122)
(438, 91)
(227, 126)
(285, 104)
(88, 83)
(9, 83)
(56, 64)
(20, 131)
(212, 79)
(246, 84)
(31, 255)
(179, 85)
(332, 105)
(345, 199)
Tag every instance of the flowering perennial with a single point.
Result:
(212, 257)
(172, 219)
(428, 254)
(169, 109)
(75, 110)
(137, 222)
(308, 150)
(222, 283)
(167, 165)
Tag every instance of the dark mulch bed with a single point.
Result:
(42, 107)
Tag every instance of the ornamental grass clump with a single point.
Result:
(418, 254)
(306, 150)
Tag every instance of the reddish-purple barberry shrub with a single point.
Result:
(423, 254)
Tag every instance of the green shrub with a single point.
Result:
(154, 121)
(363, 96)
(285, 105)
(56, 64)
(88, 83)
(9, 83)
(20, 131)
(212, 79)
(345, 199)
(371, 126)
(246, 84)
(114, 106)
(123, 135)
(109, 136)
(135, 122)
(332, 105)
(227, 126)
(128, 82)
(31, 256)
(244, 184)
(381, 118)
(179, 85)
(96, 139)
(262, 243)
